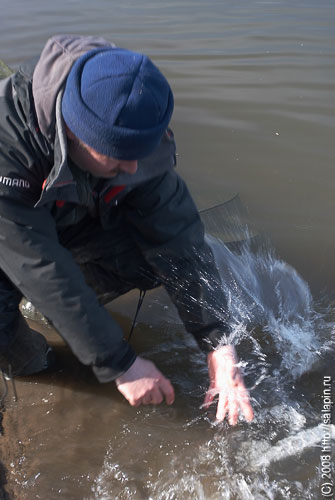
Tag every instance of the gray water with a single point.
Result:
(254, 90)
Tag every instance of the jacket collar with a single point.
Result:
(60, 179)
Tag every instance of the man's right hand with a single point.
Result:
(144, 384)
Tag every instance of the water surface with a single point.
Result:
(254, 90)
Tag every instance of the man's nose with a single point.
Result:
(130, 167)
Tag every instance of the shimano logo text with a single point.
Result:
(14, 182)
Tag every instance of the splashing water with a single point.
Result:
(216, 464)
(265, 297)
(275, 457)
(263, 290)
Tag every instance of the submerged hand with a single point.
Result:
(226, 380)
(144, 384)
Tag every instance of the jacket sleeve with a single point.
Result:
(46, 274)
(167, 227)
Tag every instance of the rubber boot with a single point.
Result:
(28, 352)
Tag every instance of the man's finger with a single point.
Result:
(210, 394)
(153, 397)
(245, 406)
(233, 410)
(134, 401)
(222, 407)
(167, 390)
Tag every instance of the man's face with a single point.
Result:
(97, 164)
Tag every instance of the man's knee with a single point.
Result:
(120, 274)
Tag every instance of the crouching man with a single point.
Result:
(90, 204)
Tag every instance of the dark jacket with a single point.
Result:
(41, 194)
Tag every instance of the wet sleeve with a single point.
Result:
(46, 274)
(170, 234)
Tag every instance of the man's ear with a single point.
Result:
(70, 134)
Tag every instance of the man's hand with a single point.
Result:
(226, 380)
(144, 384)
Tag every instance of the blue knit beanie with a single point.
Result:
(117, 102)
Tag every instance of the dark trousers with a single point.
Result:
(109, 259)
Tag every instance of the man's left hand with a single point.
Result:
(226, 380)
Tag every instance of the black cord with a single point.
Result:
(139, 304)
